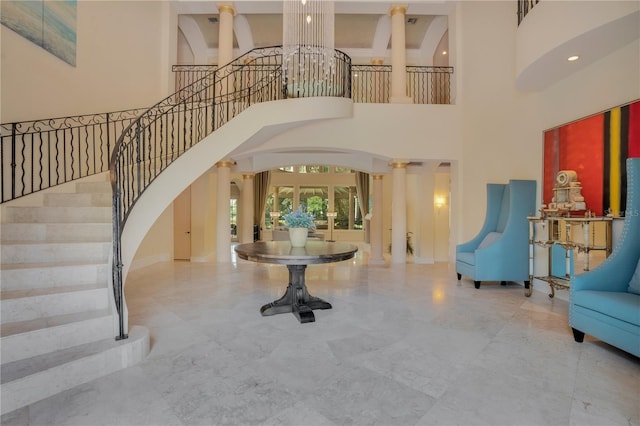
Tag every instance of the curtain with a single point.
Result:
(260, 191)
(362, 189)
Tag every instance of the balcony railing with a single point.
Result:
(524, 6)
(369, 83)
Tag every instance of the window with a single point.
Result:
(280, 199)
(346, 204)
(233, 210)
(315, 200)
(313, 169)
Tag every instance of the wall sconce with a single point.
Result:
(439, 201)
(332, 216)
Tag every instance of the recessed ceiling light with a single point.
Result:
(412, 21)
(573, 58)
(213, 20)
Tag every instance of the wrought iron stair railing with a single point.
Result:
(168, 129)
(36, 155)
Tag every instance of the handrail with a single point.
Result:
(171, 127)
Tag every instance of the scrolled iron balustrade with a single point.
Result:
(524, 7)
(36, 155)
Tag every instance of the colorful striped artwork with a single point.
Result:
(51, 24)
(596, 147)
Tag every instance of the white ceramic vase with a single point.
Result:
(298, 236)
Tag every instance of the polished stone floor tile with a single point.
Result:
(403, 345)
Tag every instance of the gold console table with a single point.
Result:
(559, 233)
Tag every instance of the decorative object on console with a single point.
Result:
(600, 303)
(567, 194)
(500, 250)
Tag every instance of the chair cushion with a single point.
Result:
(620, 305)
(466, 257)
(489, 239)
(634, 284)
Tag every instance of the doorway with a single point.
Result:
(182, 226)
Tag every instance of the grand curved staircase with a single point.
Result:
(62, 291)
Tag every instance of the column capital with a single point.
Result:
(399, 164)
(377, 61)
(247, 176)
(398, 8)
(226, 8)
(225, 163)
(378, 177)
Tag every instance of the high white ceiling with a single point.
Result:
(362, 28)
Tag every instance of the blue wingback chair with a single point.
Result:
(500, 252)
(601, 301)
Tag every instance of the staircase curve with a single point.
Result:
(170, 145)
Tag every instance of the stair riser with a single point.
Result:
(57, 214)
(54, 276)
(60, 232)
(94, 187)
(27, 390)
(67, 252)
(49, 339)
(43, 306)
(78, 200)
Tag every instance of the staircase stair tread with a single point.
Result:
(18, 294)
(50, 242)
(8, 266)
(13, 328)
(18, 369)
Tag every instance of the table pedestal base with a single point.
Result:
(296, 299)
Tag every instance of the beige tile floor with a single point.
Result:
(403, 345)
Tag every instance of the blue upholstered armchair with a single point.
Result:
(605, 302)
(500, 252)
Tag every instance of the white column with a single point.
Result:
(246, 226)
(223, 215)
(225, 55)
(376, 223)
(225, 33)
(398, 56)
(399, 213)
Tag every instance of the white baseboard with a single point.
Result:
(147, 261)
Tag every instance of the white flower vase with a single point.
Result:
(298, 236)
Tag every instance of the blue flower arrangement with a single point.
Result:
(298, 219)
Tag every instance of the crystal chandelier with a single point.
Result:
(308, 46)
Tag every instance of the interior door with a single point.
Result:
(182, 226)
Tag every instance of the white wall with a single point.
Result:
(119, 64)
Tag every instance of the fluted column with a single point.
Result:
(223, 216)
(399, 213)
(398, 56)
(376, 223)
(246, 226)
